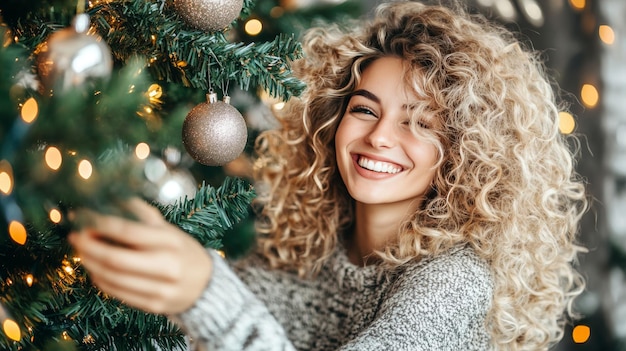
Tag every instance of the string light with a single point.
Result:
(566, 122)
(85, 169)
(142, 151)
(607, 35)
(29, 279)
(155, 92)
(6, 177)
(67, 268)
(29, 111)
(581, 333)
(53, 158)
(532, 11)
(17, 232)
(589, 95)
(55, 215)
(253, 27)
(578, 4)
(11, 329)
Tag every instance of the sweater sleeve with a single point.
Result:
(228, 316)
(439, 306)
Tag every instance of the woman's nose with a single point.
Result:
(382, 134)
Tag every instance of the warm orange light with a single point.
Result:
(253, 27)
(55, 215)
(155, 91)
(29, 279)
(581, 334)
(53, 158)
(142, 151)
(17, 231)
(30, 110)
(589, 95)
(12, 330)
(6, 177)
(607, 35)
(566, 122)
(578, 4)
(85, 169)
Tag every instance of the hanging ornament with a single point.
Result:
(70, 57)
(214, 132)
(208, 15)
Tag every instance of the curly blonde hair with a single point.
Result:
(506, 184)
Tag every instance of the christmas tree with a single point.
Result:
(104, 100)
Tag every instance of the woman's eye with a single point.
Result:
(362, 109)
(417, 123)
(422, 125)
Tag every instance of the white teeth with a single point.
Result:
(378, 166)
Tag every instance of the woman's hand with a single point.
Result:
(149, 263)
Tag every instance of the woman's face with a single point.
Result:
(381, 161)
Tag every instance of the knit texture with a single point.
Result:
(438, 303)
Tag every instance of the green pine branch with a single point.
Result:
(65, 303)
(212, 211)
(182, 54)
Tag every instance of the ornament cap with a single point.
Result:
(81, 23)
(226, 99)
(211, 97)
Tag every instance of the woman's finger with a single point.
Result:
(143, 211)
(126, 232)
(138, 291)
(99, 255)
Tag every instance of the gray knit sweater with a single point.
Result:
(437, 304)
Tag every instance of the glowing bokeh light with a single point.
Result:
(29, 111)
(17, 231)
(85, 169)
(6, 177)
(142, 151)
(607, 35)
(581, 334)
(29, 279)
(578, 4)
(12, 330)
(155, 91)
(589, 95)
(253, 27)
(55, 215)
(566, 122)
(53, 158)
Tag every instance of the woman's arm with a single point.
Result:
(228, 316)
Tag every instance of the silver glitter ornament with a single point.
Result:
(214, 132)
(208, 15)
(70, 57)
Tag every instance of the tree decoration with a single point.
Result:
(214, 132)
(208, 15)
(70, 57)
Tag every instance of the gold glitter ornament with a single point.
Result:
(214, 132)
(70, 57)
(208, 15)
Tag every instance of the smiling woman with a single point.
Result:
(386, 167)
(418, 196)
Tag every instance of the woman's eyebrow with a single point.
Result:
(366, 94)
